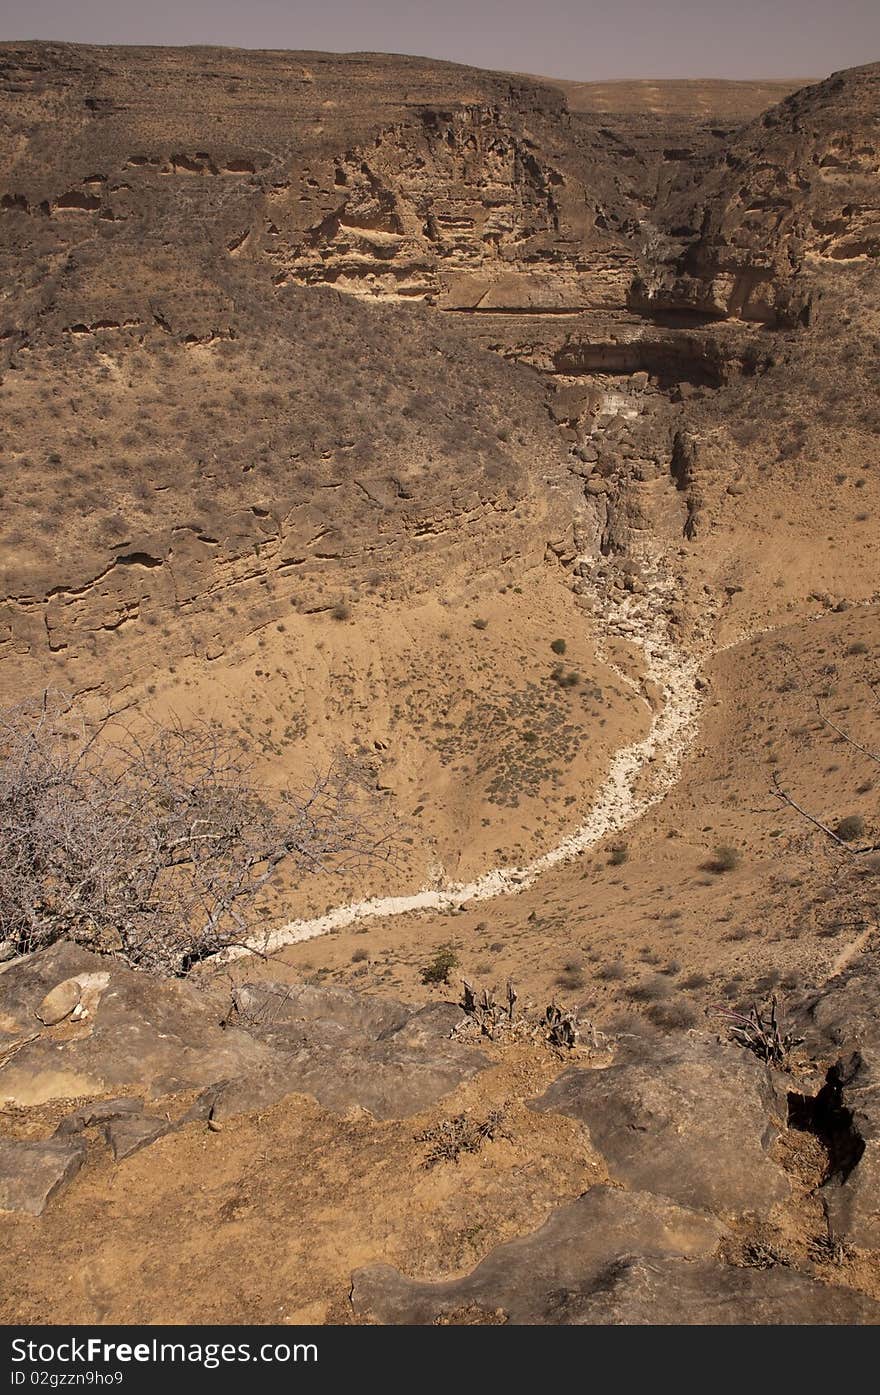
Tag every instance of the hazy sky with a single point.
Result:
(585, 39)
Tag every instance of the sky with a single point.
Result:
(581, 39)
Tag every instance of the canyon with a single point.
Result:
(518, 439)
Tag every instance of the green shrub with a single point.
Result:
(558, 646)
(441, 966)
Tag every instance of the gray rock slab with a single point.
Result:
(692, 1122)
(32, 1172)
(527, 1278)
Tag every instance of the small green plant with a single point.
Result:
(441, 966)
(558, 646)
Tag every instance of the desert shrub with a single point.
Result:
(650, 990)
(675, 1016)
(481, 624)
(438, 969)
(563, 679)
(850, 828)
(613, 970)
(153, 845)
(359, 956)
(341, 611)
(696, 980)
(619, 854)
(572, 979)
(725, 859)
(558, 646)
(452, 1137)
(572, 975)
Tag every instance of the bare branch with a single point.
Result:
(872, 755)
(779, 793)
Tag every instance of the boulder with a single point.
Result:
(127, 1134)
(59, 1002)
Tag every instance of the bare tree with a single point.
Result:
(155, 846)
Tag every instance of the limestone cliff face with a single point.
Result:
(796, 191)
(260, 347)
(459, 208)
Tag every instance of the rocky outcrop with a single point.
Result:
(532, 1279)
(843, 1023)
(457, 207)
(138, 1033)
(32, 1172)
(159, 1037)
(693, 1123)
(796, 190)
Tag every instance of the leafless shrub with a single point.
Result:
(155, 846)
(452, 1137)
(486, 1017)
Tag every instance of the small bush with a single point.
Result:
(341, 611)
(650, 990)
(558, 646)
(481, 624)
(572, 979)
(359, 956)
(676, 1016)
(441, 966)
(614, 969)
(853, 826)
(726, 859)
(695, 981)
(619, 854)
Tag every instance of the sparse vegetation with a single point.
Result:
(438, 969)
(450, 1138)
(850, 828)
(725, 859)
